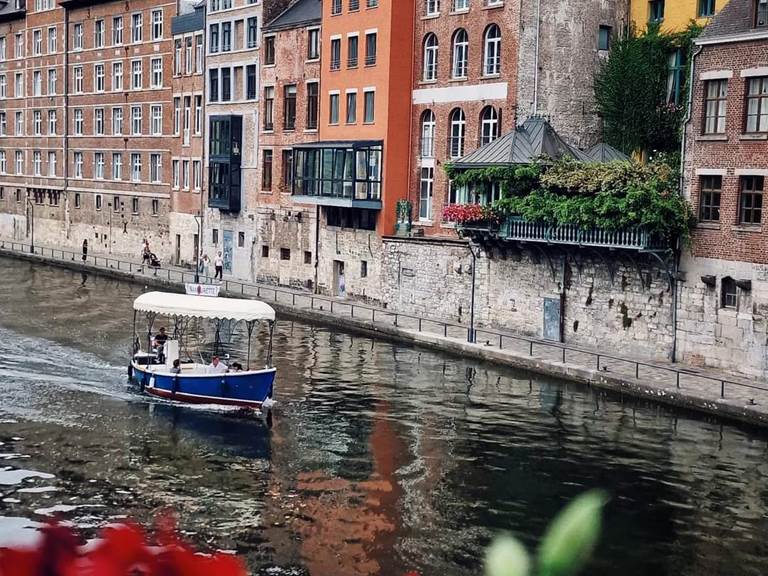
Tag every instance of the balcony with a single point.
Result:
(343, 174)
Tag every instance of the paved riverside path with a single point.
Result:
(701, 389)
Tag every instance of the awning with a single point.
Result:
(203, 307)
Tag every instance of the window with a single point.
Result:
(52, 40)
(269, 108)
(492, 51)
(136, 120)
(51, 122)
(199, 53)
(98, 73)
(370, 48)
(266, 170)
(185, 174)
(187, 119)
(706, 8)
(78, 200)
(117, 30)
(157, 73)
(307, 257)
(728, 296)
(489, 125)
(156, 168)
(136, 75)
(197, 180)
(51, 164)
(98, 34)
(78, 164)
(676, 76)
(709, 201)
(313, 44)
(460, 53)
(18, 45)
(19, 123)
(354, 5)
(460, 5)
(98, 121)
(761, 14)
(37, 83)
(157, 25)
(757, 105)
(175, 173)
(226, 85)
(37, 122)
(226, 36)
(427, 134)
(19, 84)
(289, 107)
(269, 50)
(155, 207)
(37, 42)
(137, 25)
(369, 106)
(431, 7)
(117, 76)
(78, 120)
(351, 107)
(37, 163)
(333, 108)
(117, 166)
(177, 57)
(2, 48)
(98, 167)
(656, 10)
(264, 251)
(313, 105)
(335, 53)
(188, 55)
(77, 72)
(213, 36)
(285, 253)
(98, 201)
(287, 169)
(213, 91)
(253, 31)
(456, 140)
(156, 114)
(425, 193)
(430, 57)
(3, 162)
(176, 115)
(52, 81)
(3, 86)
(134, 205)
(250, 82)
(241, 239)
(715, 101)
(352, 45)
(117, 121)
(604, 38)
(751, 199)
(3, 124)
(335, 7)
(77, 42)
(19, 162)
(136, 167)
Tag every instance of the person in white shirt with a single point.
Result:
(216, 366)
(218, 264)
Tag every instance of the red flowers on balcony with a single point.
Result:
(469, 214)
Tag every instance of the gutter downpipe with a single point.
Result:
(203, 130)
(536, 60)
(688, 114)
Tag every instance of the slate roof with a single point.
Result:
(737, 17)
(530, 141)
(299, 14)
(189, 21)
(606, 153)
(8, 10)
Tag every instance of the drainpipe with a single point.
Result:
(471, 334)
(536, 59)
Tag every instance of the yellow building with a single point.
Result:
(674, 15)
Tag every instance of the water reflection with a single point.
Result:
(381, 459)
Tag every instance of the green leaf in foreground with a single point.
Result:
(506, 557)
(572, 536)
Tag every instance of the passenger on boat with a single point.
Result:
(159, 344)
(236, 367)
(176, 367)
(217, 366)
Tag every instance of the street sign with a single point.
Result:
(202, 289)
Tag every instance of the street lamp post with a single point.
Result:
(31, 222)
(199, 221)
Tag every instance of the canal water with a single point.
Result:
(382, 458)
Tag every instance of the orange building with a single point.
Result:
(358, 170)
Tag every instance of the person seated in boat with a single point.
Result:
(236, 367)
(176, 369)
(217, 366)
(159, 344)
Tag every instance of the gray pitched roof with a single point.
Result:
(189, 21)
(533, 139)
(737, 17)
(9, 10)
(300, 13)
(606, 153)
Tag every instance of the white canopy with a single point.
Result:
(203, 307)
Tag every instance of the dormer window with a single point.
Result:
(761, 14)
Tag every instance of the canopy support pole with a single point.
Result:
(249, 325)
(150, 322)
(269, 346)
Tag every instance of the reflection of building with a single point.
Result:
(726, 293)
(188, 124)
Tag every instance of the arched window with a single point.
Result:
(489, 125)
(428, 134)
(460, 53)
(458, 127)
(492, 51)
(728, 297)
(430, 57)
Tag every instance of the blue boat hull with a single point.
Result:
(247, 389)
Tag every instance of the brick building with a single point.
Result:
(188, 126)
(284, 245)
(725, 297)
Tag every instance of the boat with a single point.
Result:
(152, 366)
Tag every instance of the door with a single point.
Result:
(177, 251)
(553, 319)
(339, 282)
(227, 251)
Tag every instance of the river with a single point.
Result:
(382, 458)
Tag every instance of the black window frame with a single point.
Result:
(751, 190)
(710, 194)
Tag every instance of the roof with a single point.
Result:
(735, 19)
(208, 307)
(10, 11)
(299, 14)
(606, 153)
(533, 139)
(192, 19)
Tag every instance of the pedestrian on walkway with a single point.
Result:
(85, 250)
(205, 265)
(218, 264)
(145, 253)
